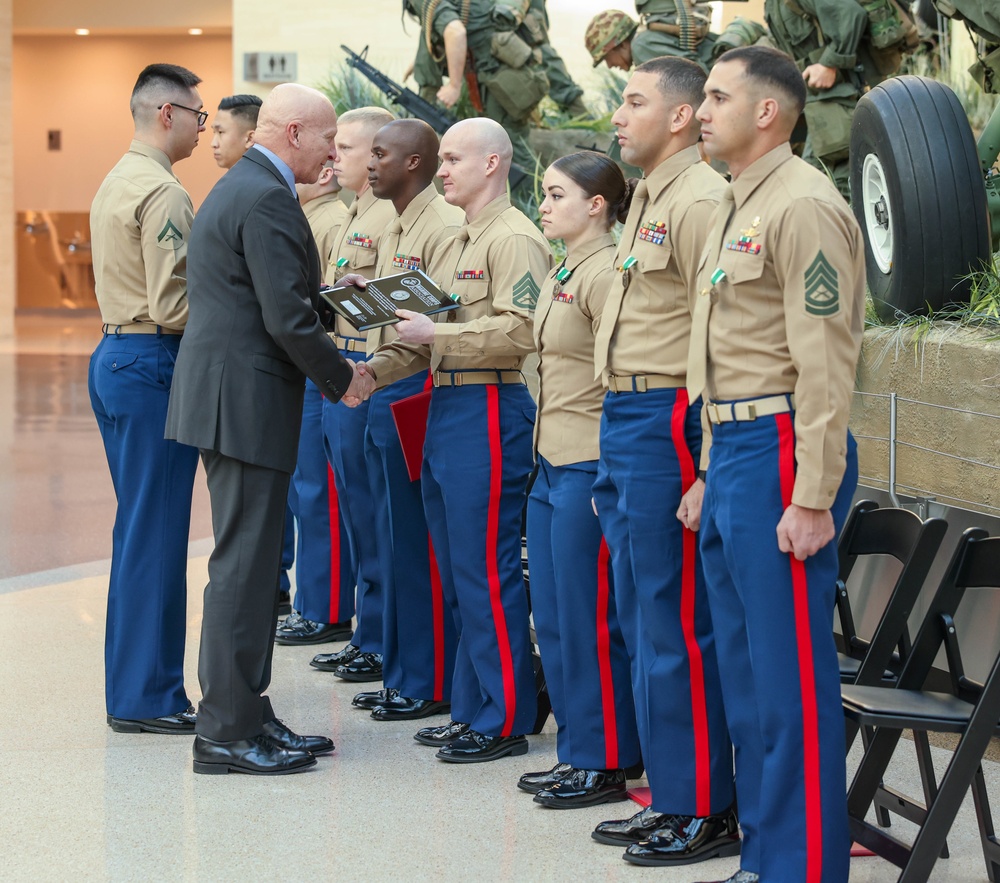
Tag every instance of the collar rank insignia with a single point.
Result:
(558, 294)
(470, 274)
(653, 231)
(405, 262)
(360, 240)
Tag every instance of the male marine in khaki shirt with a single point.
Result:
(140, 221)
(777, 332)
(477, 455)
(419, 631)
(650, 437)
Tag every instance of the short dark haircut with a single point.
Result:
(243, 107)
(162, 77)
(596, 174)
(771, 68)
(678, 78)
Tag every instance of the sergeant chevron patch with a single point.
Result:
(525, 292)
(822, 294)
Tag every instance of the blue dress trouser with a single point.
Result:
(344, 429)
(583, 653)
(773, 620)
(288, 546)
(324, 571)
(418, 628)
(650, 443)
(129, 383)
(477, 459)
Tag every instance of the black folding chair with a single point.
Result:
(970, 709)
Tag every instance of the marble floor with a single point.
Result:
(83, 803)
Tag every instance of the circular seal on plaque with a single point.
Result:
(399, 294)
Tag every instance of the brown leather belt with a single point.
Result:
(472, 378)
(349, 344)
(750, 410)
(642, 382)
(138, 328)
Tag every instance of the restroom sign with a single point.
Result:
(270, 67)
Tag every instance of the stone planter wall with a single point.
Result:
(956, 369)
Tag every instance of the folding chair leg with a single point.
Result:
(870, 772)
(881, 812)
(927, 777)
(991, 846)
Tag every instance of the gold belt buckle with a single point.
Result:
(752, 411)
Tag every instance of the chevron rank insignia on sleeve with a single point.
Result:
(526, 292)
(170, 237)
(822, 294)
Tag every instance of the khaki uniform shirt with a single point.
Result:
(326, 215)
(646, 326)
(781, 309)
(494, 267)
(412, 242)
(140, 222)
(566, 319)
(355, 248)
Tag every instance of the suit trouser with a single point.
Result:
(241, 598)
(288, 547)
(773, 620)
(650, 443)
(324, 573)
(129, 382)
(344, 429)
(418, 628)
(586, 665)
(477, 458)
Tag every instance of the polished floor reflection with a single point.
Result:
(81, 802)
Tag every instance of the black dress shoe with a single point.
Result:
(364, 667)
(437, 737)
(476, 747)
(333, 661)
(688, 840)
(535, 782)
(278, 733)
(259, 756)
(742, 877)
(284, 602)
(179, 724)
(622, 832)
(404, 709)
(298, 630)
(584, 788)
(374, 698)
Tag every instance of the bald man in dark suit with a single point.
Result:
(252, 337)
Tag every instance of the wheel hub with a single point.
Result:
(878, 212)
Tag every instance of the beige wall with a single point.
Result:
(81, 86)
(51, 15)
(7, 293)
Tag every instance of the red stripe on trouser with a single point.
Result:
(807, 677)
(437, 608)
(334, 505)
(492, 567)
(604, 661)
(696, 665)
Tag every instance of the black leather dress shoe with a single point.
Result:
(688, 840)
(259, 756)
(438, 737)
(298, 630)
(374, 698)
(278, 733)
(622, 832)
(333, 661)
(535, 782)
(584, 788)
(179, 724)
(403, 709)
(742, 877)
(476, 747)
(364, 667)
(284, 602)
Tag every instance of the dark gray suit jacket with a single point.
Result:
(253, 285)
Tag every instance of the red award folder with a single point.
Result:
(410, 417)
